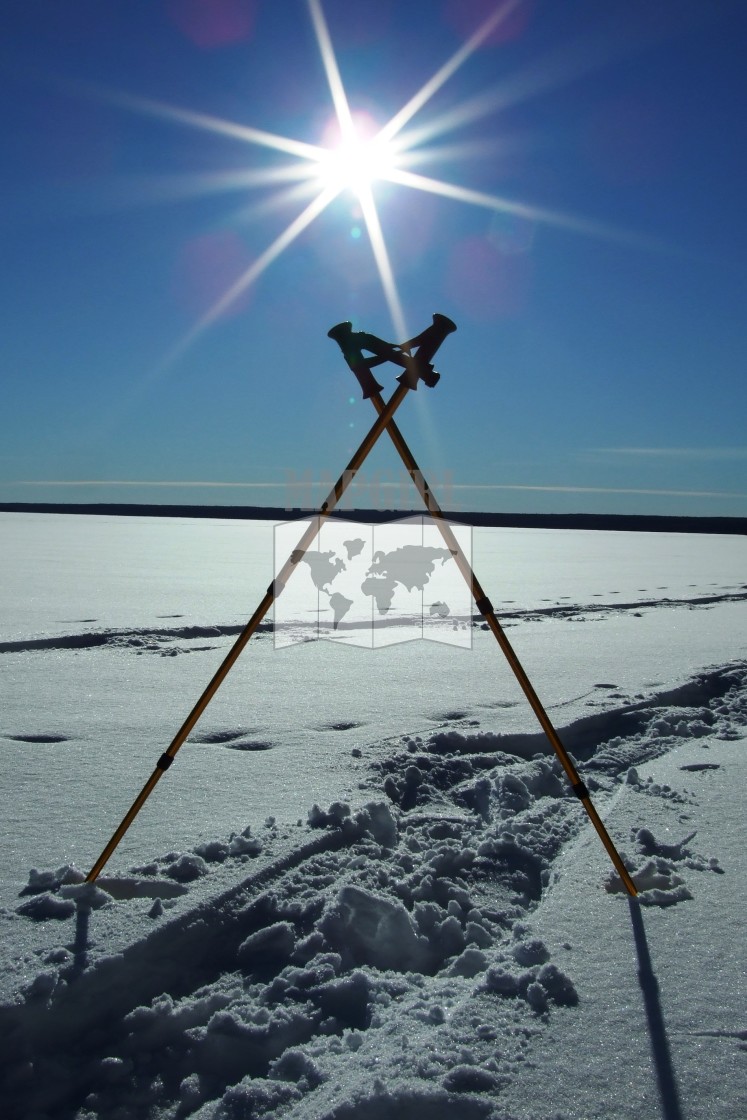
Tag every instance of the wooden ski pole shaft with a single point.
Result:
(485, 608)
(385, 415)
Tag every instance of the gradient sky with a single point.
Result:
(593, 254)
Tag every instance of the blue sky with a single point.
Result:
(587, 234)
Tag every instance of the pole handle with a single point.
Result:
(427, 342)
(416, 366)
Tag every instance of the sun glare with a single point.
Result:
(355, 161)
(354, 154)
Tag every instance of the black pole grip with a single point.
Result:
(417, 366)
(342, 335)
(428, 343)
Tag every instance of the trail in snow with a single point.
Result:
(422, 956)
(158, 639)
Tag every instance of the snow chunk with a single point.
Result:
(255, 1097)
(52, 880)
(45, 906)
(376, 931)
(41, 987)
(474, 931)
(502, 982)
(191, 1093)
(376, 819)
(669, 897)
(558, 985)
(271, 946)
(87, 895)
(652, 847)
(537, 997)
(657, 883)
(214, 851)
(297, 1067)
(470, 1079)
(536, 986)
(338, 812)
(244, 845)
(187, 867)
(470, 963)
(512, 793)
(530, 952)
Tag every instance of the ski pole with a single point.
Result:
(428, 343)
(273, 591)
(485, 607)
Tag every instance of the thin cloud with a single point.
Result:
(472, 486)
(700, 453)
(145, 482)
(598, 490)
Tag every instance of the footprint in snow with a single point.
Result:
(658, 877)
(222, 738)
(250, 745)
(339, 725)
(38, 738)
(237, 739)
(740, 1036)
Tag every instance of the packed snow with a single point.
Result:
(364, 889)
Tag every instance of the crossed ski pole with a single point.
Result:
(415, 367)
(371, 390)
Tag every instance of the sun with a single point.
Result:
(354, 161)
(355, 154)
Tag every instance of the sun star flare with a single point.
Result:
(354, 155)
(359, 159)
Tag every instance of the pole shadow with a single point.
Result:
(665, 1076)
(81, 941)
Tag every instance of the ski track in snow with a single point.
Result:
(161, 639)
(378, 963)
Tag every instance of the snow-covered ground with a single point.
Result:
(363, 889)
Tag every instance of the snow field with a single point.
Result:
(388, 957)
(440, 935)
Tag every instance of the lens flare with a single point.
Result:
(355, 161)
(356, 154)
